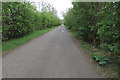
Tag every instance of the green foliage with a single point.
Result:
(10, 44)
(19, 19)
(98, 24)
(102, 60)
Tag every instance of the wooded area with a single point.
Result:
(94, 24)
(21, 18)
(98, 24)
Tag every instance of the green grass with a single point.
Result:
(8, 45)
(109, 70)
(82, 43)
(75, 34)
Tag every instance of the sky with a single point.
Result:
(60, 5)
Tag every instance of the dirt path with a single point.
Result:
(53, 55)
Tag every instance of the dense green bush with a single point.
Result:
(19, 19)
(98, 24)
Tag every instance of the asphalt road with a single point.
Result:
(52, 55)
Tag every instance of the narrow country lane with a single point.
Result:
(52, 55)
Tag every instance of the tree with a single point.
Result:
(98, 24)
(19, 19)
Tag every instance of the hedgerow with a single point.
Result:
(98, 24)
(19, 19)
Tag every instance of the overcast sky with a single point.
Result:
(60, 5)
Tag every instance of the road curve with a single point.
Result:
(52, 55)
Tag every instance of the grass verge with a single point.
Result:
(109, 70)
(8, 45)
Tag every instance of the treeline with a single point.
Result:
(19, 19)
(98, 24)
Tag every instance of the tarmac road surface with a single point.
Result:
(52, 55)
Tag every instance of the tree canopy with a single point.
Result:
(21, 18)
(98, 24)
